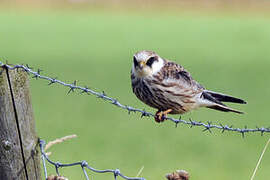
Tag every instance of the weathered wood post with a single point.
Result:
(19, 153)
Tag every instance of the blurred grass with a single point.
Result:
(225, 52)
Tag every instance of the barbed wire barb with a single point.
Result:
(73, 86)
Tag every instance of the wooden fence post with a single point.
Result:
(19, 153)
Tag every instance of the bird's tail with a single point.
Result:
(225, 98)
(214, 101)
(224, 108)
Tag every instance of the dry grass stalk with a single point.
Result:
(140, 171)
(259, 161)
(58, 141)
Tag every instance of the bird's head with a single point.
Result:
(146, 63)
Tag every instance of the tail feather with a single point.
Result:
(224, 109)
(225, 98)
(214, 101)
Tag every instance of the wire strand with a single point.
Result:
(85, 90)
(102, 95)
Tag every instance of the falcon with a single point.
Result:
(168, 87)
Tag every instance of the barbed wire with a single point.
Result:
(191, 123)
(84, 165)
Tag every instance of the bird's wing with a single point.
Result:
(172, 73)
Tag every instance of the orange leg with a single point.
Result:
(161, 115)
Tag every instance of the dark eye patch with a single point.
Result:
(150, 61)
(135, 61)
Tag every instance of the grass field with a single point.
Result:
(225, 52)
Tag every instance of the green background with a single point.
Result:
(225, 52)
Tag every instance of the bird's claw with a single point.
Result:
(160, 116)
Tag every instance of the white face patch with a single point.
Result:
(143, 71)
(148, 71)
(157, 65)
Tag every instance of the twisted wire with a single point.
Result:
(73, 86)
(84, 165)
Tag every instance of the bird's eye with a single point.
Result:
(135, 61)
(150, 61)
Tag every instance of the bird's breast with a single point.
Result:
(163, 97)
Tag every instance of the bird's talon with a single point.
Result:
(158, 117)
(161, 115)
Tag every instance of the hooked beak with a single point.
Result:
(142, 64)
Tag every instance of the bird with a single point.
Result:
(169, 88)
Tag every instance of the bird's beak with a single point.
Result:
(142, 64)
